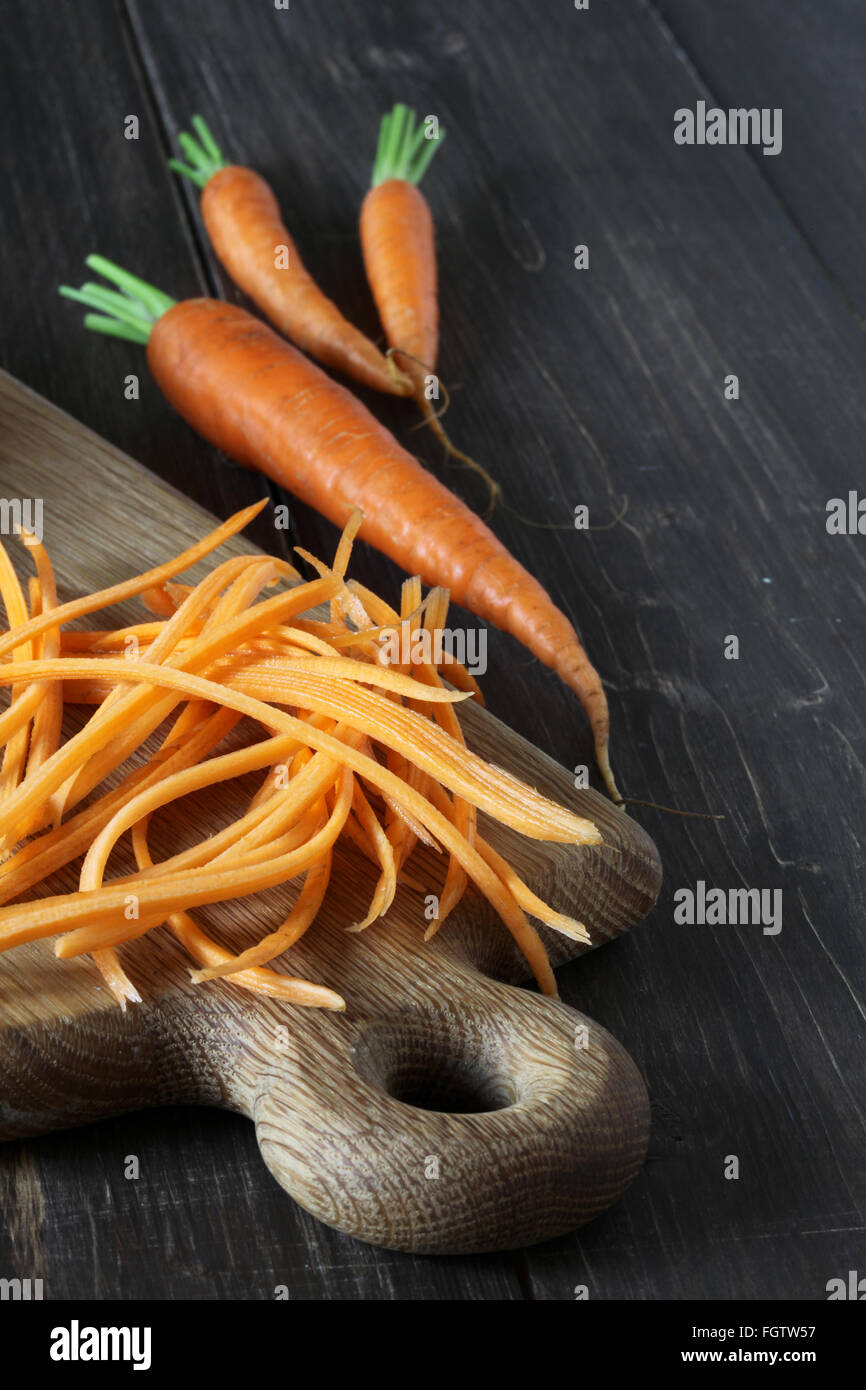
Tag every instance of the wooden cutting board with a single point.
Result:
(447, 1109)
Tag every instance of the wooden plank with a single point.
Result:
(805, 57)
(694, 287)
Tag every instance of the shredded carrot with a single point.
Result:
(208, 952)
(349, 749)
(15, 751)
(118, 593)
(48, 719)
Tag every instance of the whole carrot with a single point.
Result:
(247, 232)
(398, 243)
(267, 406)
(399, 247)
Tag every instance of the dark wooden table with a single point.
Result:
(575, 387)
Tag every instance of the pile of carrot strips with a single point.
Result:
(350, 748)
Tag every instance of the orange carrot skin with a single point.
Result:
(260, 401)
(245, 227)
(398, 244)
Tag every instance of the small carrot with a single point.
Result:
(399, 248)
(247, 232)
(398, 242)
(267, 406)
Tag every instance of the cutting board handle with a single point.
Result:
(490, 1123)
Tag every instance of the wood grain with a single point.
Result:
(351, 1113)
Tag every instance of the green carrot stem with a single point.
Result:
(188, 172)
(405, 147)
(191, 148)
(114, 329)
(203, 156)
(133, 324)
(114, 302)
(129, 314)
(419, 142)
(153, 299)
(200, 126)
(397, 131)
(393, 141)
(421, 161)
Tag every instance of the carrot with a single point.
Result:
(260, 401)
(246, 230)
(489, 787)
(399, 249)
(42, 857)
(397, 241)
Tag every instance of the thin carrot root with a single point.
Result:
(433, 420)
(352, 751)
(602, 757)
(494, 489)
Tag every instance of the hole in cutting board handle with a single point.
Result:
(450, 1086)
(464, 1071)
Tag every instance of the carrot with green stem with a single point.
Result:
(243, 221)
(398, 242)
(399, 248)
(267, 406)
